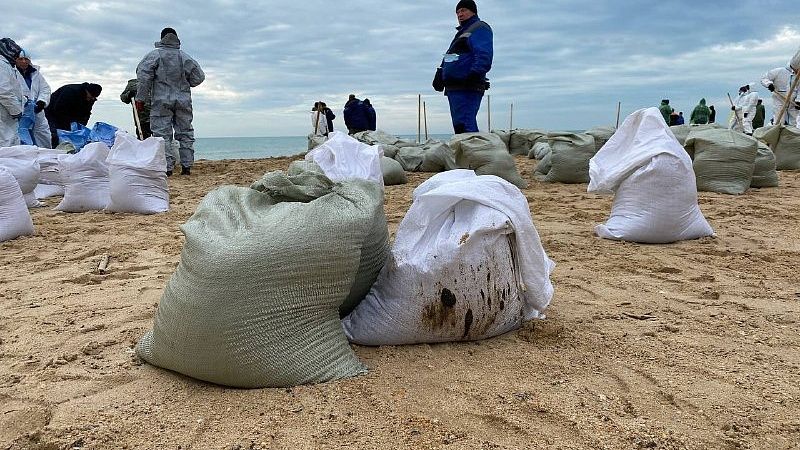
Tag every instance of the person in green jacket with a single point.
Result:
(761, 113)
(700, 113)
(666, 110)
(129, 95)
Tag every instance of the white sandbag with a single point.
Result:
(21, 161)
(343, 158)
(15, 220)
(137, 180)
(466, 264)
(785, 144)
(764, 173)
(86, 183)
(393, 173)
(653, 181)
(50, 182)
(486, 154)
(724, 160)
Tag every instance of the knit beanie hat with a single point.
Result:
(167, 31)
(469, 4)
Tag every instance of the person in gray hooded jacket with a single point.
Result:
(166, 76)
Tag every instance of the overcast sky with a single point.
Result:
(564, 64)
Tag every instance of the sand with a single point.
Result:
(690, 345)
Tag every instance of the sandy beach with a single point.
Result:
(693, 345)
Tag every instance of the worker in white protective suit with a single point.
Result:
(744, 109)
(12, 99)
(37, 91)
(778, 81)
(166, 76)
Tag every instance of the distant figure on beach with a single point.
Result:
(680, 120)
(36, 89)
(11, 97)
(319, 123)
(778, 81)
(128, 95)
(700, 114)
(355, 117)
(329, 116)
(166, 76)
(712, 117)
(666, 110)
(462, 73)
(71, 103)
(744, 109)
(760, 116)
(371, 116)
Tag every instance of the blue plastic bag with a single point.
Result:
(103, 132)
(26, 123)
(78, 136)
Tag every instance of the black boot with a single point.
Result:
(185, 170)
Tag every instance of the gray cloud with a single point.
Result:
(564, 64)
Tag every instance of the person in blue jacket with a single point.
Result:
(462, 75)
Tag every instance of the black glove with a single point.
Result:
(733, 108)
(39, 107)
(797, 105)
(16, 116)
(771, 87)
(438, 82)
(745, 115)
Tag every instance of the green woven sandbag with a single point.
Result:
(764, 174)
(570, 157)
(256, 298)
(486, 154)
(393, 173)
(723, 160)
(785, 144)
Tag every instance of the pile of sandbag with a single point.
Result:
(724, 160)
(15, 220)
(22, 162)
(681, 132)
(764, 172)
(568, 160)
(389, 143)
(50, 182)
(521, 141)
(466, 264)
(431, 156)
(486, 154)
(85, 177)
(785, 144)
(256, 298)
(137, 179)
(653, 182)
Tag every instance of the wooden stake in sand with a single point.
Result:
(735, 114)
(619, 107)
(425, 119)
(489, 112)
(419, 117)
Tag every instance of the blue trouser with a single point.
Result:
(464, 106)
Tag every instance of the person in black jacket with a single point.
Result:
(370, 113)
(355, 117)
(71, 103)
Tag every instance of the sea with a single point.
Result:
(264, 147)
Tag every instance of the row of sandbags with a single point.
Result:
(484, 153)
(268, 272)
(127, 178)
